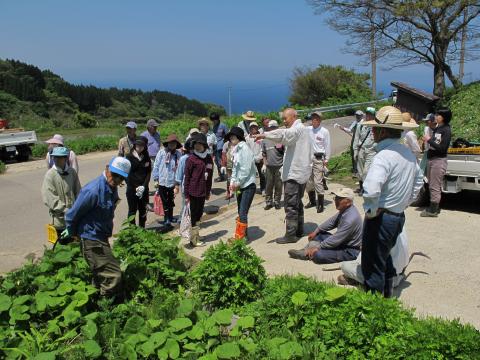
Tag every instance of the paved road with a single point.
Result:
(23, 215)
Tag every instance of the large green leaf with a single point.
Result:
(133, 324)
(64, 288)
(180, 323)
(51, 355)
(196, 333)
(92, 349)
(127, 352)
(246, 322)
(223, 317)
(18, 313)
(42, 299)
(89, 330)
(228, 351)
(81, 297)
(299, 298)
(290, 350)
(185, 307)
(5, 302)
(63, 256)
(335, 293)
(173, 349)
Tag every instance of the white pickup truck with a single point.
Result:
(463, 169)
(16, 143)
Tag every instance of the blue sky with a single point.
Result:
(193, 47)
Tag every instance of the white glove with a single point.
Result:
(140, 191)
(223, 170)
(336, 125)
(264, 168)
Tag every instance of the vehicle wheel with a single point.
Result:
(23, 153)
(423, 198)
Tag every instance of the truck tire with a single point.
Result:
(24, 153)
(423, 198)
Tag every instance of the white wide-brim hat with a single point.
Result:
(390, 117)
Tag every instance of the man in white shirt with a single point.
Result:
(321, 151)
(297, 168)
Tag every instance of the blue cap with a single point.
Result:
(121, 166)
(60, 151)
(131, 125)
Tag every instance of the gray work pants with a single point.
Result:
(364, 159)
(315, 183)
(293, 194)
(274, 182)
(437, 168)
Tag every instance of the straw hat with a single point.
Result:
(249, 115)
(203, 121)
(390, 117)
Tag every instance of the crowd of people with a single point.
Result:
(288, 161)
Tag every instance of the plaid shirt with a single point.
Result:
(195, 182)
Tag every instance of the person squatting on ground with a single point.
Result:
(138, 179)
(164, 169)
(198, 183)
(153, 139)
(60, 188)
(126, 143)
(326, 248)
(256, 147)
(243, 179)
(364, 147)
(57, 141)
(393, 182)
(91, 219)
(180, 173)
(220, 130)
(227, 166)
(321, 154)
(352, 270)
(272, 162)
(438, 145)
(297, 169)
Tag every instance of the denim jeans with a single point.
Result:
(379, 237)
(329, 256)
(244, 201)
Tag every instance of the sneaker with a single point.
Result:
(174, 220)
(219, 179)
(268, 207)
(297, 254)
(343, 280)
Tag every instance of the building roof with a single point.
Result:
(415, 92)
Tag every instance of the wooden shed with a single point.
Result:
(417, 102)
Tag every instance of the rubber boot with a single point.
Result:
(320, 203)
(388, 288)
(311, 198)
(241, 230)
(431, 211)
(290, 233)
(195, 235)
(299, 232)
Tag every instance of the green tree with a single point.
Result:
(314, 86)
(407, 32)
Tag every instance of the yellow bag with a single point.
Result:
(52, 236)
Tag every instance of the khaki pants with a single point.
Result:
(436, 170)
(107, 275)
(364, 159)
(273, 182)
(315, 183)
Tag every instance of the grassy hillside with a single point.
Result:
(465, 106)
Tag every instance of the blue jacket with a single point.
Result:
(179, 174)
(220, 131)
(91, 216)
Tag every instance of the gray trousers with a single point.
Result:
(436, 170)
(329, 256)
(316, 179)
(364, 159)
(274, 182)
(293, 194)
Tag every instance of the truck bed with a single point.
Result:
(17, 138)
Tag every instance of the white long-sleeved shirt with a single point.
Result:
(320, 141)
(297, 161)
(394, 178)
(411, 142)
(256, 147)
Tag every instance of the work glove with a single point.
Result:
(336, 125)
(140, 190)
(65, 234)
(156, 184)
(264, 169)
(223, 170)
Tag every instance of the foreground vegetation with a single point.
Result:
(225, 308)
(465, 105)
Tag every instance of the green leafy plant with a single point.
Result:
(229, 275)
(3, 167)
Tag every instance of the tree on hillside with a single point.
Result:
(311, 87)
(408, 32)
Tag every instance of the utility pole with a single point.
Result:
(229, 101)
(373, 60)
(462, 48)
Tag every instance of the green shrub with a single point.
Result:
(3, 167)
(229, 275)
(85, 120)
(465, 106)
(81, 145)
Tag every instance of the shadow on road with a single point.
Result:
(255, 233)
(214, 236)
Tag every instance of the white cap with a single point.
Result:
(359, 113)
(121, 166)
(131, 125)
(344, 193)
(273, 123)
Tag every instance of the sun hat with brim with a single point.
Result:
(141, 140)
(152, 123)
(249, 115)
(199, 139)
(60, 151)
(56, 139)
(120, 166)
(203, 121)
(172, 138)
(390, 117)
(131, 125)
(253, 123)
(238, 132)
(344, 193)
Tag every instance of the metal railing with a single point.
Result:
(342, 107)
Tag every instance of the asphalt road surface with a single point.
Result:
(23, 215)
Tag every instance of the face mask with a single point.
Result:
(201, 155)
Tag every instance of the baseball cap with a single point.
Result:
(119, 165)
(273, 123)
(344, 193)
(370, 110)
(359, 113)
(131, 125)
(152, 123)
(318, 113)
(429, 117)
(60, 151)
